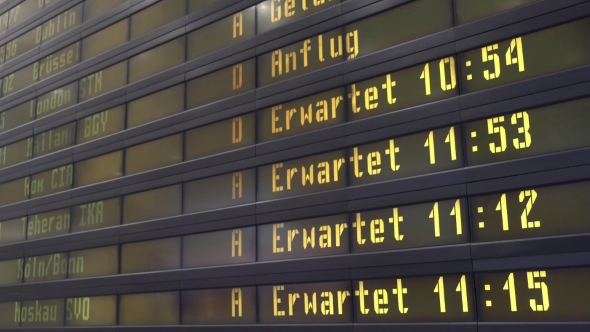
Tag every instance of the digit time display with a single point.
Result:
(525, 133)
(534, 295)
(531, 212)
(562, 47)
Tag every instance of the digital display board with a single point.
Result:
(415, 299)
(328, 302)
(525, 133)
(300, 115)
(534, 295)
(524, 57)
(219, 306)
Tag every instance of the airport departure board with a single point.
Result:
(278, 164)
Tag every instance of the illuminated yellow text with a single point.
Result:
(304, 115)
(332, 48)
(296, 239)
(330, 303)
(313, 175)
(280, 9)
